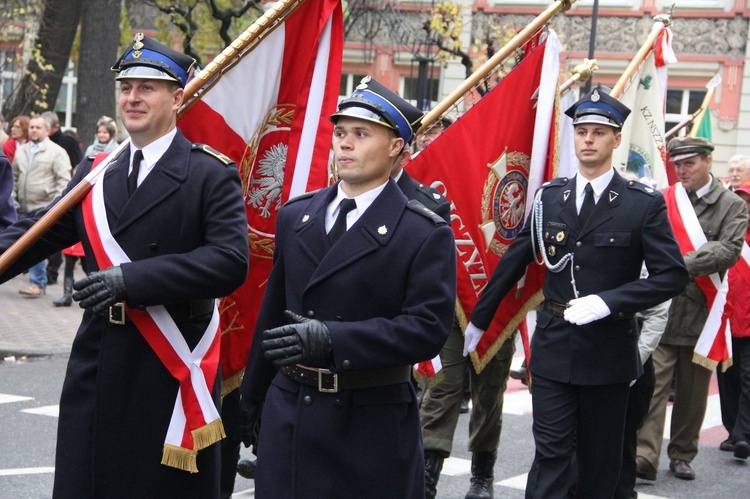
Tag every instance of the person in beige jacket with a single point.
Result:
(41, 170)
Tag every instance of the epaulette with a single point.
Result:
(429, 191)
(556, 182)
(640, 186)
(418, 207)
(301, 197)
(213, 152)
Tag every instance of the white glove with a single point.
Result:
(472, 335)
(587, 309)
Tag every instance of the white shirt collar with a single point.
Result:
(598, 184)
(363, 202)
(704, 190)
(152, 153)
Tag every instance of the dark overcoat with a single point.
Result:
(386, 291)
(629, 225)
(426, 195)
(185, 231)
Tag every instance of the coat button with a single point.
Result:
(577, 268)
(338, 404)
(579, 244)
(346, 365)
(621, 314)
(307, 400)
(310, 314)
(611, 239)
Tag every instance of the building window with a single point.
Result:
(8, 74)
(681, 104)
(410, 91)
(348, 82)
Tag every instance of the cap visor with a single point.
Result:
(144, 73)
(594, 119)
(359, 113)
(684, 155)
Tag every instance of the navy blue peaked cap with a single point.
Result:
(598, 106)
(148, 59)
(371, 101)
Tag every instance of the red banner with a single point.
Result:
(481, 163)
(269, 114)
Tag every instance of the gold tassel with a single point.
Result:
(727, 364)
(702, 361)
(180, 458)
(428, 382)
(231, 383)
(208, 434)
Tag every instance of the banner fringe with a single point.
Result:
(231, 383)
(427, 382)
(208, 434)
(180, 458)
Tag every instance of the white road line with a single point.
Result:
(7, 399)
(26, 471)
(518, 482)
(455, 466)
(45, 410)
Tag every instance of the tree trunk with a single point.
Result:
(41, 82)
(100, 38)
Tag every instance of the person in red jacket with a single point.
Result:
(734, 384)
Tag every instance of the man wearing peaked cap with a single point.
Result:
(362, 288)
(165, 234)
(713, 211)
(592, 232)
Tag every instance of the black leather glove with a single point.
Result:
(100, 290)
(250, 421)
(303, 341)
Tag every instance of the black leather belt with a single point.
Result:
(190, 309)
(558, 309)
(327, 382)
(554, 308)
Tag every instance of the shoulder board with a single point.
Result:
(418, 207)
(429, 191)
(301, 197)
(556, 182)
(641, 187)
(213, 152)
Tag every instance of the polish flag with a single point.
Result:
(269, 114)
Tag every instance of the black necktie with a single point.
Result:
(588, 204)
(133, 177)
(339, 226)
(693, 197)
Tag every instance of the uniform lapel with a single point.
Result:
(163, 180)
(373, 230)
(568, 214)
(311, 227)
(116, 186)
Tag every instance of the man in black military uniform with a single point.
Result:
(593, 232)
(412, 189)
(362, 288)
(165, 234)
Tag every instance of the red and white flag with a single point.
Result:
(488, 192)
(269, 114)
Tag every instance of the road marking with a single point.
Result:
(7, 399)
(518, 482)
(45, 410)
(455, 466)
(244, 494)
(26, 471)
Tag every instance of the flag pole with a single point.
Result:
(581, 72)
(485, 69)
(265, 24)
(711, 85)
(641, 55)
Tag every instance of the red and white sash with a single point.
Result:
(195, 422)
(714, 343)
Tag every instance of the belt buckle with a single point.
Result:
(323, 389)
(117, 314)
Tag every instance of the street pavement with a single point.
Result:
(35, 339)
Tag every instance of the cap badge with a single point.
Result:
(595, 95)
(138, 41)
(305, 218)
(382, 230)
(363, 83)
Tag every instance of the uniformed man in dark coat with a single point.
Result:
(165, 233)
(355, 298)
(417, 191)
(593, 232)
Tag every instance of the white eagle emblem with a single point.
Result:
(265, 190)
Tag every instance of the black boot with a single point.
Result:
(482, 475)
(433, 464)
(67, 297)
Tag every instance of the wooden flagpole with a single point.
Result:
(521, 37)
(264, 25)
(641, 55)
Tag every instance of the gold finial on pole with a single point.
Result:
(581, 72)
